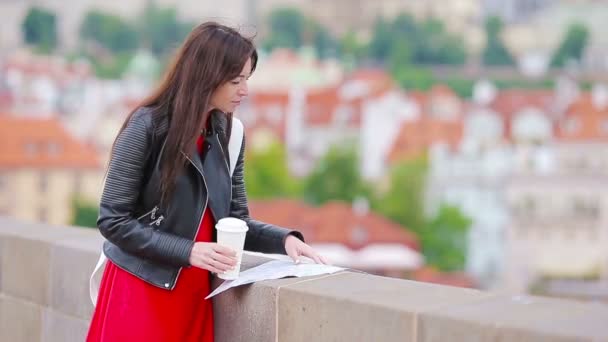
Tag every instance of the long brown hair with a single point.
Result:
(211, 55)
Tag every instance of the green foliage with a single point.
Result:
(573, 45)
(404, 41)
(444, 239)
(524, 84)
(109, 31)
(40, 29)
(267, 176)
(351, 47)
(160, 29)
(495, 52)
(380, 46)
(289, 28)
(403, 202)
(462, 87)
(336, 177)
(85, 214)
(414, 77)
(111, 68)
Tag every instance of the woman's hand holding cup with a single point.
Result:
(212, 257)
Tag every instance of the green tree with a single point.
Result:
(267, 175)
(573, 45)
(403, 202)
(413, 78)
(495, 52)
(380, 45)
(322, 40)
(351, 48)
(425, 43)
(113, 67)
(287, 27)
(336, 177)
(109, 31)
(444, 239)
(161, 30)
(40, 29)
(436, 46)
(85, 214)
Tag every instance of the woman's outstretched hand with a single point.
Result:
(296, 248)
(212, 257)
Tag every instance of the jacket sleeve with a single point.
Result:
(261, 237)
(124, 179)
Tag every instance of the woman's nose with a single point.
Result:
(244, 90)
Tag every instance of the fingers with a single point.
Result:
(293, 254)
(311, 253)
(207, 265)
(213, 257)
(221, 267)
(224, 259)
(224, 250)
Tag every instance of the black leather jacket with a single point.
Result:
(151, 241)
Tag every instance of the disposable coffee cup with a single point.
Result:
(231, 233)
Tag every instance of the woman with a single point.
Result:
(168, 182)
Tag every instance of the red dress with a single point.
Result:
(129, 309)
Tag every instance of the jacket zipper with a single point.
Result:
(225, 162)
(202, 213)
(157, 222)
(153, 212)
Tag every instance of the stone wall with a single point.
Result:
(44, 273)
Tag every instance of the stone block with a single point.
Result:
(69, 281)
(235, 321)
(20, 320)
(25, 269)
(358, 307)
(512, 318)
(59, 327)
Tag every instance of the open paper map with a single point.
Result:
(275, 269)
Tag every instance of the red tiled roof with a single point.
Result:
(39, 65)
(322, 104)
(415, 137)
(41, 143)
(334, 222)
(509, 102)
(583, 121)
(259, 104)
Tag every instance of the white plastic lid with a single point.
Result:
(232, 225)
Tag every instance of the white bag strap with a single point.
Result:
(234, 147)
(235, 143)
(95, 279)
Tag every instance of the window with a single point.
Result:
(3, 182)
(78, 182)
(359, 235)
(571, 125)
(585, 208)
(604, 127)
(31, 149)
(54, 148)
(43, 214)
(43, 184)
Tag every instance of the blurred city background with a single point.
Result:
(461, 142)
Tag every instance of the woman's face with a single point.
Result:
(230, 94)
